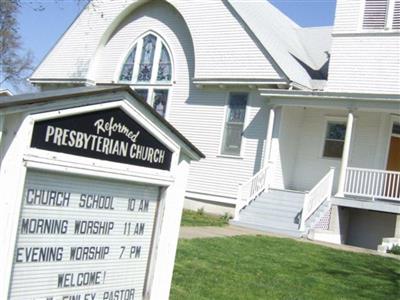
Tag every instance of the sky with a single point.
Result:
(40, 30)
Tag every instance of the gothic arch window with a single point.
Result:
(148, 68)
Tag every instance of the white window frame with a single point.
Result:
(330, 119)
(389, 18)
(153, 84)
(245, 124)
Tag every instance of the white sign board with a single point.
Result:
(83, 238)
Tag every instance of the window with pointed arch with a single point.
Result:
(148, 68)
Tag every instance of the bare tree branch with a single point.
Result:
(15, 63)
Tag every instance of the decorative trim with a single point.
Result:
(62, 80)
(382, 32)
(212, 198)
(315, 95)
(238, 81)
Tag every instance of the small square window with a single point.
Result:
(143, 93)
(160, 99)
(334, 139)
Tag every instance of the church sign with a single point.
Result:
(108, 135)
(89, 197)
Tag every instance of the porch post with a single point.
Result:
(268, 140)
(345, 155)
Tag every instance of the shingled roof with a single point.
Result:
(301, 53)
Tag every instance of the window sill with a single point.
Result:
(331, 158)
(230, 156)
(393, 32)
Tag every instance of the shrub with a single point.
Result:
(226, 217)
(395, 250)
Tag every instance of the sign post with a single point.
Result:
(92, 200)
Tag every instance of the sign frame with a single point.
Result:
(22, 157)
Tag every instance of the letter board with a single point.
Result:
(82, 236)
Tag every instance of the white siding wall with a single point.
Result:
(348, 15)
(368, 148)
(163, 20)
(362, 61)
(291, 135)
(285, 141)
(223, 47)
(365, 64)
(202, 120)
(198, 113)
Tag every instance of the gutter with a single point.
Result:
(318, 95)
(224, 82)
(84, 81)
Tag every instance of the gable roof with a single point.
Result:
(297, 51)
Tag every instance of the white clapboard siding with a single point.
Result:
(348, 15)
(38, 280)
(396, 15)
(161, 19)
(197, 113)
(368, 137)
(202, 123)
(365, 64)
(290, 136)
(375, 14)
(223, 47)
(218, 54)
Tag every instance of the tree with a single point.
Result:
(15, 62)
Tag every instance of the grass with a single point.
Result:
(199, 218)
(261, 267)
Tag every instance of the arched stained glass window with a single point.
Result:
(127, 69)
(148, 68)
(146, 63)
(164, 66)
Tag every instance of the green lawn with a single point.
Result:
(199, 218)
(261, 267)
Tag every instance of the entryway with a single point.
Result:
(393, 162)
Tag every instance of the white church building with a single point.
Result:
(300, 126)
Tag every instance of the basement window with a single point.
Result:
(334, 139)
(234, 123)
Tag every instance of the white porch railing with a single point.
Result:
(253, 187)
(314, 198)
(374, 184)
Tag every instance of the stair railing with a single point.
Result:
(313, 199)
(253, 187)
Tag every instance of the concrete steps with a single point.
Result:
(276, 211)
